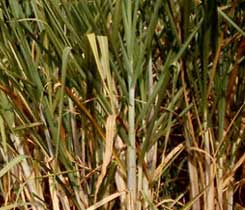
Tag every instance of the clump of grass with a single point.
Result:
(121, 104)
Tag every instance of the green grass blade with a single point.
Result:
(231, 22)
(65, 58)
(11, 164)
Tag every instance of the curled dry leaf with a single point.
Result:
(110, 134)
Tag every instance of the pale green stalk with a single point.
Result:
(131, 157)
(129, 22)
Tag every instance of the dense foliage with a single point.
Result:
(119, 104)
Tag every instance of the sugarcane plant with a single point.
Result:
(121, 104)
